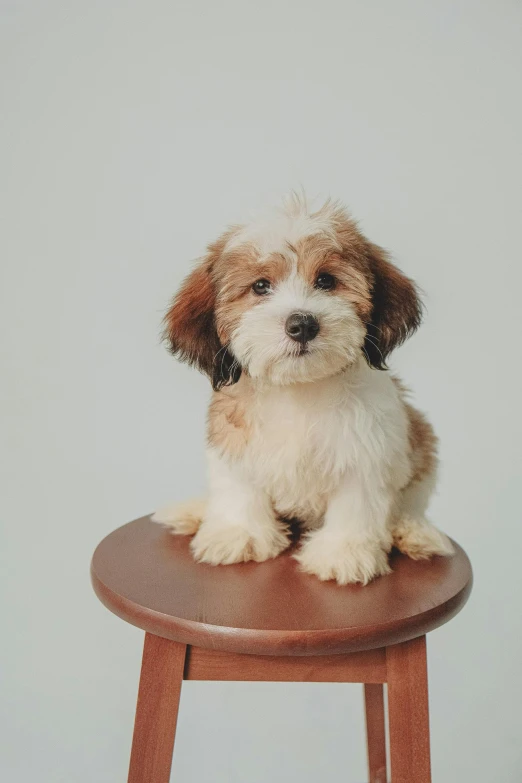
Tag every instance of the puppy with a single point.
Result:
(293, 317)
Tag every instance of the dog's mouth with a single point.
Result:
(301, 350)
(296, 352)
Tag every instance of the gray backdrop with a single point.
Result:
(131, 133)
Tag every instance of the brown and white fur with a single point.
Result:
(310, 429)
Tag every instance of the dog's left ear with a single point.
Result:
(190, 328)
(396, 308)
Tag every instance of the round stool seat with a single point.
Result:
(149, 578)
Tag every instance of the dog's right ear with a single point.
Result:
(190, 328)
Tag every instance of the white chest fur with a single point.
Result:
(306, 438)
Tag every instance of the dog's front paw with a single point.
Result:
(420, 540)
(330, 556)
(181, 519)
(226, 543)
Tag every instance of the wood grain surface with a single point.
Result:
(367, 666)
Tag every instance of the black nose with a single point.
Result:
(302, 327)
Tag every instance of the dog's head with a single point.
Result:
(295, 297)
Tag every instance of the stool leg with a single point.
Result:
(408, 712)
(375, 732)
(157, 710)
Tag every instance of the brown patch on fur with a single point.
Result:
(423, 444)
(318, 253)
(239, 268)
(421, 435)
(228, 421)
(236, 271)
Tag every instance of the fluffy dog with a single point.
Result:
(293, 316)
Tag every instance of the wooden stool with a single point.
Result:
(267, 621)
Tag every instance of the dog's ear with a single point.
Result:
(190, 328)
(396, 308)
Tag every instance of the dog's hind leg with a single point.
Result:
(182, 519)
(412, 533)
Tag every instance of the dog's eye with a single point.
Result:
(325, 281)
(261, 287)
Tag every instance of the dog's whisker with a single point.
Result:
(365, 352)
(223, 348)
(373, 326)
(375, 346)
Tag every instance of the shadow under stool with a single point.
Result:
(270, 622)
